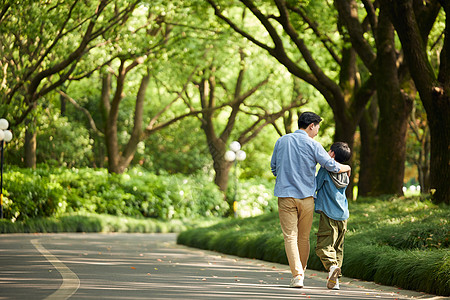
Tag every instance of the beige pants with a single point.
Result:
(296, 216)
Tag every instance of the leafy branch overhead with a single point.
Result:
(46, 53)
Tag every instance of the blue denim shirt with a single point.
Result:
(330, 199)
(294, 161)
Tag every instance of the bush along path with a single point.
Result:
(402, 242)
(44, 193)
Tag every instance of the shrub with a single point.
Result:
(51, 192)
(254, 197)
(29, 194)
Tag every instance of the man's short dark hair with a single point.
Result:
(342, 152)
(307, 118)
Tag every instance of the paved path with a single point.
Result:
(152, 266)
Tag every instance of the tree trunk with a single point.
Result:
(395, 109)
(345, 132)
(368, 136)
(30, 141)
(112, 147)
(390, 155)
(222, 170)
(30, 148)
(425, 164)
(110, 121)
(63, 102)
(440, 146)
(136, 134)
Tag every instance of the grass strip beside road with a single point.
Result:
(85, 222)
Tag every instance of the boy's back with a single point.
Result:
(331, 198)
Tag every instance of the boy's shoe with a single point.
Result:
(297, 282)
(336, 286)
(335, 271)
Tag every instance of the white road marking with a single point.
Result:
(70, 283)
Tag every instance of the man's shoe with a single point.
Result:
(336, 286)
(335, 271)
(297, 282)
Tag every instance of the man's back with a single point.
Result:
(294, 163)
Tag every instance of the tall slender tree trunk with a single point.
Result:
(440, 145)
(30, 148)
(62, 101)
(345, 132)
(368, 136)
(424, 168)
(110, 123)
(30, 141)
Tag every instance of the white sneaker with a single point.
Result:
(335, 271)
(297, 282)
(336, 286)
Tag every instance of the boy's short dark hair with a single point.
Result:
(307, 118)
(342, 152)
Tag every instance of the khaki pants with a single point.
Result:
(330, 241)
(296, 216)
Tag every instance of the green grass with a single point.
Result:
(85, 222)
(395, 241)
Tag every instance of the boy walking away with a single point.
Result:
(332, 205)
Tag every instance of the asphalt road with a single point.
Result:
(152, 266)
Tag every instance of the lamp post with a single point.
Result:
(235, 154)
(5, 136)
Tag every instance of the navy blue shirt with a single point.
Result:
(294, 161)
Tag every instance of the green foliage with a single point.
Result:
(173, 151)
(53, 192)
(52, 46)
(29, 195)
(62, 143)
(254, 196)
(381, 245)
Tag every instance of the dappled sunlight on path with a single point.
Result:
(152, 266)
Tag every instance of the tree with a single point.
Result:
(120, 154)
(299, 44)
(413, 21)
(237, 99)
(144, 48)
(38, 57)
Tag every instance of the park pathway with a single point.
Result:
(152, 266)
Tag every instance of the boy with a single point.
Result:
(331, 203)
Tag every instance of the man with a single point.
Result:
(294, 161)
